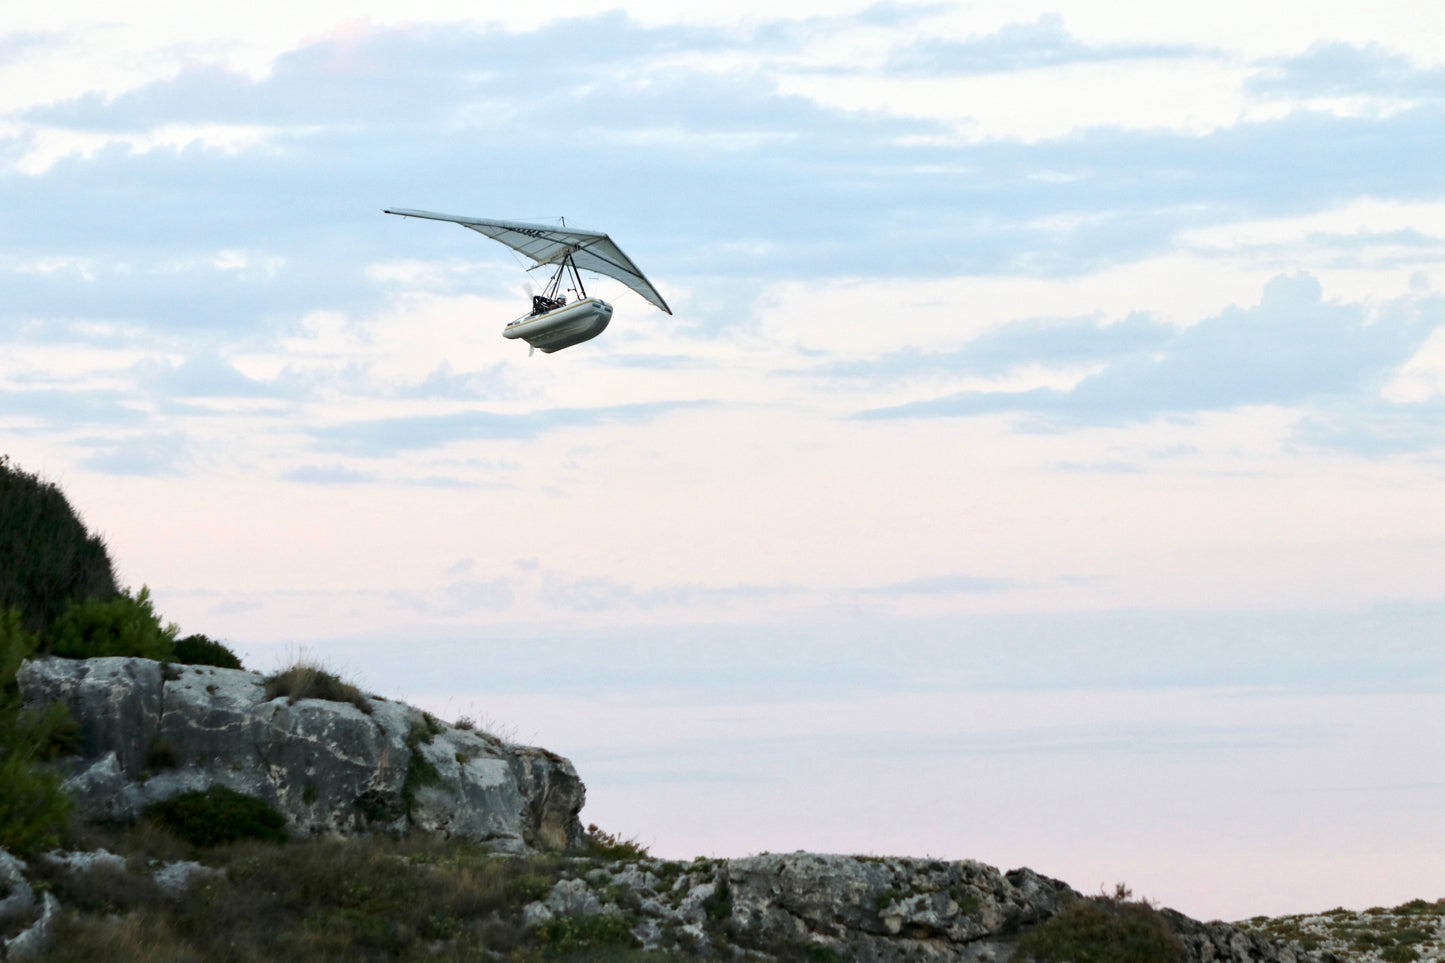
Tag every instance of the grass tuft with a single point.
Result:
(308, 679)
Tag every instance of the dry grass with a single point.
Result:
(345, 900)
(309, 679)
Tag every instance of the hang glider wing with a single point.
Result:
(549, 244)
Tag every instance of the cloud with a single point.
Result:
(203, 376)
(945, 585)
(1293, 348)
(81, 406)
(445, 384)
(619, 77)
(386, 436)
(1374, 429)
(1345, 70)
(716, 179)
(1022, 46)
(153, 454)
(327, 475)
(695, 160)
(459, 598)
(22, 44)
(1036, 341)
(600, 594)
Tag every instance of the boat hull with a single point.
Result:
(562, 327)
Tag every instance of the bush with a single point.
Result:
(568, 934)
(202, 650)
(16, 645)
(48, 561)
(33, 809)
(219, 815)
(1102, 930)
(419, 772)
(126, 625)
(598, 844)
(309, 680)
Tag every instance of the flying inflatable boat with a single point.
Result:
(554, 322)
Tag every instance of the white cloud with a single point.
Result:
(48, 146)
(1190, 97)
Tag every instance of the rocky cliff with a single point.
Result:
(376, 769)
(150, 731)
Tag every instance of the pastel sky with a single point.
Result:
(1043, 464)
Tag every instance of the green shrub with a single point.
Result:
(201, 650)
(48, 561)
(219, 815)
(53, 732)
(419, 772)
(719, 906)
(127, 625)
(1102, 930)
(310, 680)
(567, 934)
(33, 809)
(16, 645)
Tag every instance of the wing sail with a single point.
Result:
(548, 244)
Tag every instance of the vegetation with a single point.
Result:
(568, 934)
(202, 650)
(219, 815)
(61, 581)
(360, 900)
(33, 809)
(125, 625)
(1408, 932)
(48, 561)
(419, 769)
(1103, 929)
(308, 679)
(598, 844)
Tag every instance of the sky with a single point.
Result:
(1042, 463)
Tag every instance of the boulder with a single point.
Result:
(149, 732)
(883, 909)
(31, 920)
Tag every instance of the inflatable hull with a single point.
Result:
(562, 327)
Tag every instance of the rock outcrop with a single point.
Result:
(855, 908)
(148, 732)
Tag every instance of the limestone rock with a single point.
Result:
(856, 908)
(31, 920)
(147, 734)
(883, 909)
(17, 897)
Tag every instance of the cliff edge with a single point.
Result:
(149, 731)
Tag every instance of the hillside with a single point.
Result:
(1413, 931)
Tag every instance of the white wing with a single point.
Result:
(548, 244)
